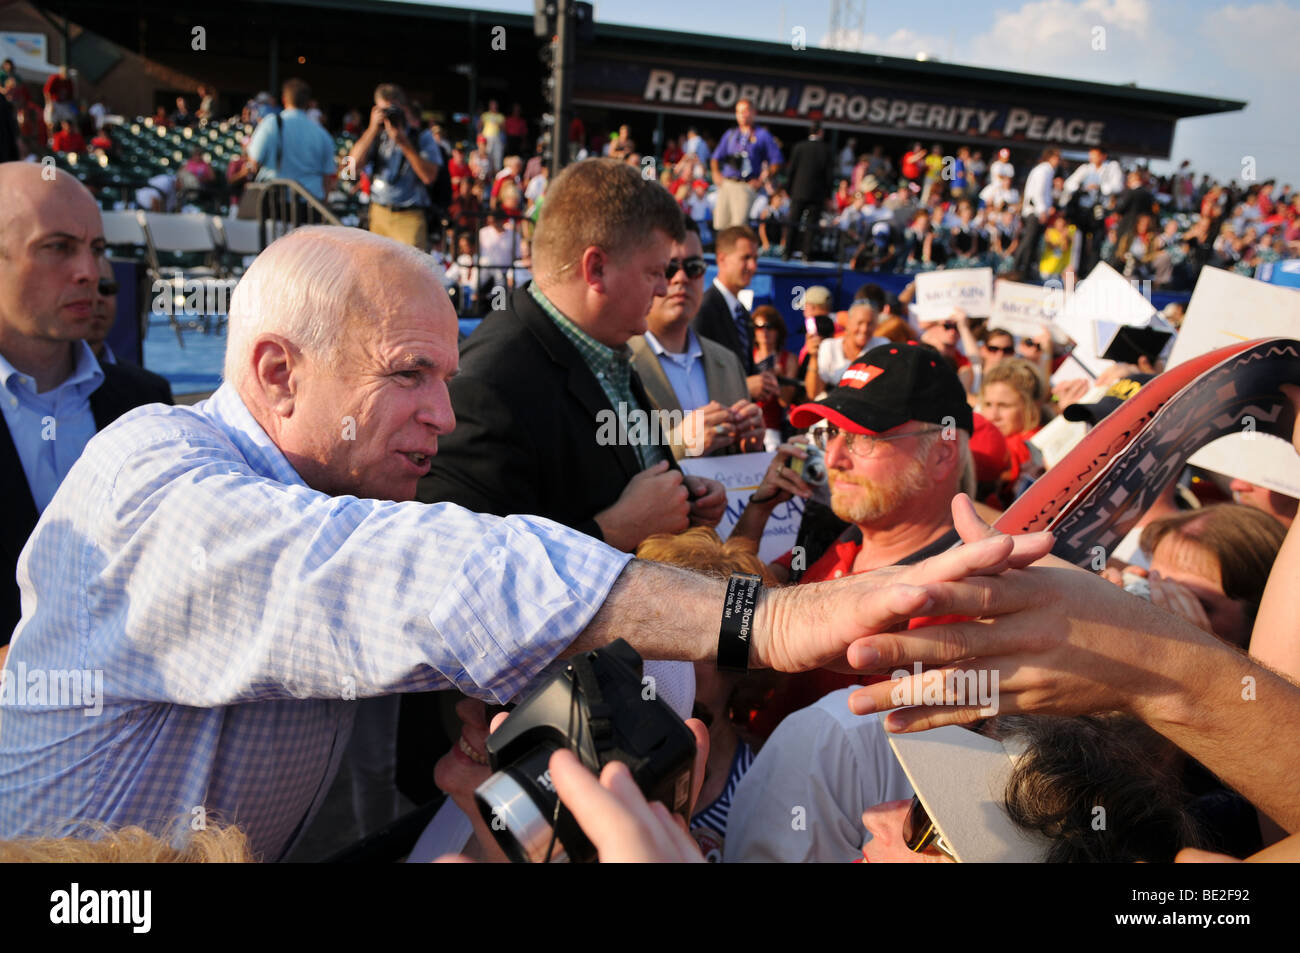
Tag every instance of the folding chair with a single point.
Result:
(182, 250)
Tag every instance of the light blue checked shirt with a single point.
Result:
(234, 613)
(50, 429)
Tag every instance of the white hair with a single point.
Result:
(305, 286)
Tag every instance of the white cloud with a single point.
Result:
(1256, 39)
(1060, 38)
(901, 42)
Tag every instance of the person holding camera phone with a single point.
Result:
(403, 161)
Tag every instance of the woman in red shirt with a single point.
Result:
(770, 354)
(1011, 399)
(68, 139)
(843, 196)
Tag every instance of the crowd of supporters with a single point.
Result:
(925, 429)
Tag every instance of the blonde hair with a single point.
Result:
(896, 329)
(1023, 378)
(701, 549)
(131, 845)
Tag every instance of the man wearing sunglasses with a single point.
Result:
(154, 387)
(683, 372)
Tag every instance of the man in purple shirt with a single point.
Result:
(745, 159)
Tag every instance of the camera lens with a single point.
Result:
(518, 803)
(814, 473)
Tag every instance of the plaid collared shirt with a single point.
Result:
(231, 615)
(612, 369)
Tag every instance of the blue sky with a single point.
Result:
(1243, 51)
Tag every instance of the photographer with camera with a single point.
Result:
(403, 161)
(745, 160)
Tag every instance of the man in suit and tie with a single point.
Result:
(694, 379)
(54, 394)
(546, 400)
(722, 318)
(812, 175)
(153, 387)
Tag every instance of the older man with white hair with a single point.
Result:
(226, 580)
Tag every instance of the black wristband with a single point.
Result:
(737, 623)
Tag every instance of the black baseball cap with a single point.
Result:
(889, 385)
(1120, 391)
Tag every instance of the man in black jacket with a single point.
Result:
(53, 393)
(550, 418)
(811, 174)
(723, 318)
(154, 387)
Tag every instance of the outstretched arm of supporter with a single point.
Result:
(1275, 639)
(1065, 642)
(670, 613)
(968, 342)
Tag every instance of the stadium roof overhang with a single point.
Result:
(686, 74)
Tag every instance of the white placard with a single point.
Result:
(1227, 309)
(1018, 308)
(1104, 295)
(939, 293)
(741, 474)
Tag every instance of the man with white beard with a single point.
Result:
(896, 437)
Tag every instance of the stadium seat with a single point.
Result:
(182, 241)
(240, 236)
(124, 234)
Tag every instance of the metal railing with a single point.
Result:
(481, 286)
(281, 205)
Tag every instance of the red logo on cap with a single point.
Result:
(860, 375)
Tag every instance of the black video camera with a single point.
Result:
(598, 708)
(396, 115)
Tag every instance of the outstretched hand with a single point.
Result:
(814, 625)
(1061, 641)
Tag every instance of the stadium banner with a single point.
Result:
(1227, 308)
(741, 473)
(939, 293)
(681, 88)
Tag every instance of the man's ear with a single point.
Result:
(593, 264)
(277, 365)
(947, 457)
